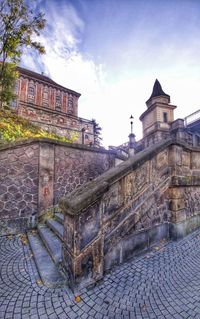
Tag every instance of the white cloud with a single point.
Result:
(118, 87)
(63, 61)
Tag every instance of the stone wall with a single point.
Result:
(74, 167)
(121, 210)
(36, 173)
(150, 197)
(184, 191)
(60, 123)
(18, 186)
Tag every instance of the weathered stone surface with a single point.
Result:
(15, 182)
(34, 174)
(76, 167)
(46, 177)
(144, 200)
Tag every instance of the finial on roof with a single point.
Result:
(157, 90)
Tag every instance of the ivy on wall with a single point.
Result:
(14, 127)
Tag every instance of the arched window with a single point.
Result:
(70, 104)
(14, 102)
(58, 101)
(165, 117)
(31, 92)
(45, 100)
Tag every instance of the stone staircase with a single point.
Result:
(46, 246)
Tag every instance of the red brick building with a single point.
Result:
(52, 106)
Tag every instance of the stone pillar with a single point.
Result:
(131, 149)
(177, 204)
(176, 192)
(46, 177)
(178, 129)
(178, 213)
(83, 246)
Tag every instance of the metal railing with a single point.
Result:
(192, 118)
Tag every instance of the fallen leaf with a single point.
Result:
(143, 307)
(77, 298)
(23, 239)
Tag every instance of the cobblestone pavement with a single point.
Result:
(164, 283)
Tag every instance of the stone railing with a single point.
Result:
(150, 197)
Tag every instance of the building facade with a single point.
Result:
(51, 106)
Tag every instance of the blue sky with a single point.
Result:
(111, 51)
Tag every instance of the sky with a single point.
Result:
(111, 51)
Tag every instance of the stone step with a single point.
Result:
(59, 217)
(49, 273)
(52, 243)
(56, 227)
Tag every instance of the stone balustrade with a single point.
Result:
(151, 197)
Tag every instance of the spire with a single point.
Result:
(158, 91)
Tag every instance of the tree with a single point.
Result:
(18, 27)
(97, 133)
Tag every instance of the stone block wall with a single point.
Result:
(74, 167)
(18, 186)
(35, 174)
(184, 191)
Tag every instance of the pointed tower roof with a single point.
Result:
(158, 91)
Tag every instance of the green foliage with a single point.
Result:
(97, 133)
(18, 26)
(7, 84)
(14, 127)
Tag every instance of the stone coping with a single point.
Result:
(188, 180)
(25, 142)
(90, 192)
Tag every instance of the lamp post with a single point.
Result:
(131, 138)
(131, 118)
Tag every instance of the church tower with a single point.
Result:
(157, 119)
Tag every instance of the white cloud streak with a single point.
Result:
(132, 55)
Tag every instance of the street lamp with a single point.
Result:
(131, 118)
(131, 137)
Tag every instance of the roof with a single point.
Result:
(157, 90)
(45, 79)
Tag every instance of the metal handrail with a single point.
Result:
(192, 118)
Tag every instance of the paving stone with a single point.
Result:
(164, 286)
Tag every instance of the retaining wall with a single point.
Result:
(34, 174)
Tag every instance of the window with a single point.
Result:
(31, 92)
(14, 102)
(58, 101)
(45, 101)
(165, 120)
(70, 104)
